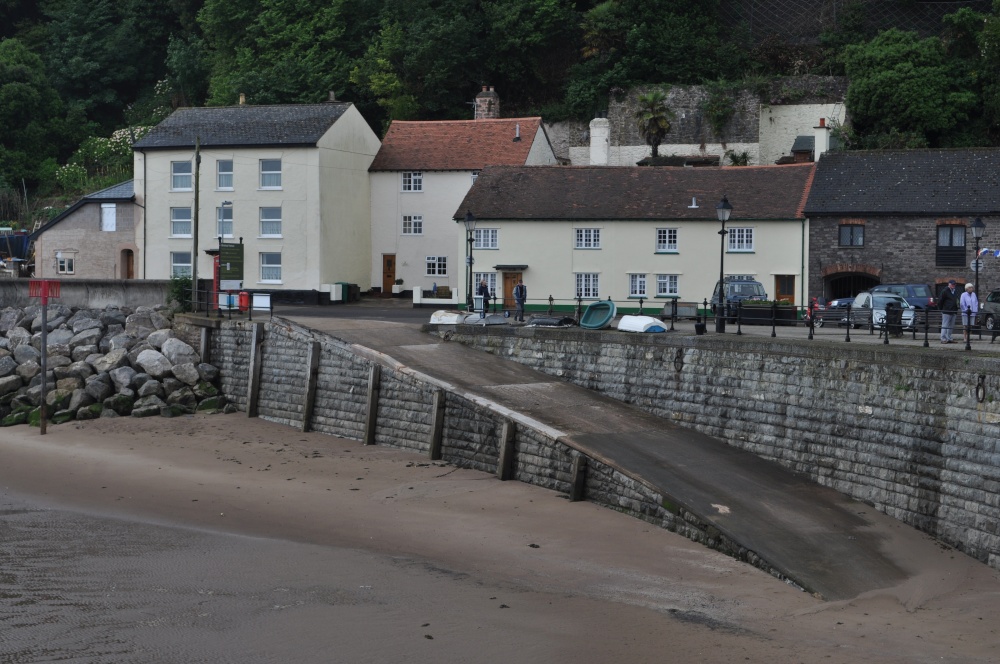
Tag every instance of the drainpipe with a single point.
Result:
(802, 267)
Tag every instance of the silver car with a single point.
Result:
(870, 308)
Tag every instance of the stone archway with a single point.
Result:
(848, 279)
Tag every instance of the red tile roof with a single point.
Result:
(634, 193)
(455, 145)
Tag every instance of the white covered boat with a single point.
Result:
(641, 324)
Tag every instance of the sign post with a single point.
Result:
(230, 269)
(44, 289)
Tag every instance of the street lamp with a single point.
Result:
(722, 210)
(978, 229)
(470, 227)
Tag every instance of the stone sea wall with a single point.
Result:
(911, 431)
(292, 375)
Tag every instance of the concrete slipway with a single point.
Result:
(822, 540)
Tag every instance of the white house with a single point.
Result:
(288, 181)
(420, 175)
(599, 232)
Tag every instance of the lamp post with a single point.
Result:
(978, 229)
(470, 227)
(722, 210)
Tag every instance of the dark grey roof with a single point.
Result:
(537, 193)
(232, 126)
(123, 191)
(119, 193)
(803, 144)
(960, 182)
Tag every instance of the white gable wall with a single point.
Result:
(442, 193)
(779, 125)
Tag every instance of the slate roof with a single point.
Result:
(953, 182)
(455, 145)
(287, 125)
(530, 193)
(122, 192)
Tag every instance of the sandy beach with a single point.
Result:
(218, 538)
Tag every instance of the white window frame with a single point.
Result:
(491, 282)
(588, 238)
(413, 224)
(412, 181)
(436, 266)
(666, 240)
(224, 178)
(740, 239)
(174, 220)
(179, 179)
(264, 221)
(667, 285)
(270, 272)
(486, 238)
(65, 262)
(270, 178)
(475, 176)
(637, 284)
(179, 268)
(109, 217)
(224, 218)
(588, 285)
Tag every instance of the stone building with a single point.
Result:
(902, 216)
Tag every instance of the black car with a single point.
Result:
(918, 296)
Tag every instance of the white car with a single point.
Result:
(870, 308)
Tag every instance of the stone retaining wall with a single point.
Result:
(899, 428)
(472, 429)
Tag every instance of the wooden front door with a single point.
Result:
(388, 272)
(510, 280)
(128, 264)
(784, 287)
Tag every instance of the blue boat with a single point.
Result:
(598, 315)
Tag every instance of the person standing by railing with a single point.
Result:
(948, 304)
(970, 307)
(520, 296)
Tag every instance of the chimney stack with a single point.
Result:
(487, 104)
(332, 96)
(821, 142)
(600, 146)
(243, 99)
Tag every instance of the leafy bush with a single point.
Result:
(179, 293)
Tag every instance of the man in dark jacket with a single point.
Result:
(948, 304)
(520, 296)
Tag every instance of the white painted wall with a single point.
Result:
(442, 193)
(629, 155)
(541, 153)
(630, 247)
(779, 125)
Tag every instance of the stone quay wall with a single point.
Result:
(910, 431)
(282, 372)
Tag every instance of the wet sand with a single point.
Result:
(223, 539)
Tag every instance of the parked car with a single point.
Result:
(738, 290)
(870, 308)
(990, 310)
(918, 296)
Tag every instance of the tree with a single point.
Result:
(653, 118)
(906, 85)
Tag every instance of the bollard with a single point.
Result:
(849, 323)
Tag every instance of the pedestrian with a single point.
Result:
(484, 290)
(948, 304)
(520, 295)
(970, 307)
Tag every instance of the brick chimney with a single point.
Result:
(487, 104)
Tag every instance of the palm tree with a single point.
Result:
(653, 118)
